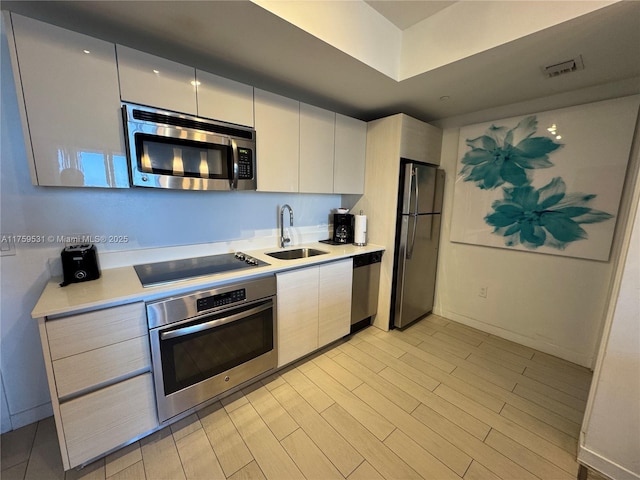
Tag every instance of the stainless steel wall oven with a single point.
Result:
(207, 342)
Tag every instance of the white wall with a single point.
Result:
(151, 218)
(551, 303)
(610, 439)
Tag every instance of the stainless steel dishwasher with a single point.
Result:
(366, 280)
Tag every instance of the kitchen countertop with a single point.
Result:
(117, 286)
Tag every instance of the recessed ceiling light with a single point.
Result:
(444, 98)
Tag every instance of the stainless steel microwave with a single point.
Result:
(173, 150)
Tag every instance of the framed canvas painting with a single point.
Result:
(549, 182)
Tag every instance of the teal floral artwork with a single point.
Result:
(505, 155)
(546, 216)
(548, 182)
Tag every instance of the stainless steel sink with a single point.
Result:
(296, 253)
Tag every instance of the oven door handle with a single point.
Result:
(181, 332)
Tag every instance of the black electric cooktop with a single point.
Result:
(152, 274)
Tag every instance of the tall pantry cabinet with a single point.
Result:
(388, 140)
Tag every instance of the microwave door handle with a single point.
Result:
(235, 165)
(181, 332)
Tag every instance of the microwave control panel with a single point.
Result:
(245, 164)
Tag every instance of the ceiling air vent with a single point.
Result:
(561, 68)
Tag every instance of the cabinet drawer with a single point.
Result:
(100, 421)
(88, 331)
(99, 367)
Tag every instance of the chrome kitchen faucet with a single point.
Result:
(284, 240)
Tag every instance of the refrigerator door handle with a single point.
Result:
(414, 181)
(413, 237)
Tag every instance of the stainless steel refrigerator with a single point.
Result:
(417, 236)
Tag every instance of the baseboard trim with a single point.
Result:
(32, 415)
(605, 466)
(555, 350)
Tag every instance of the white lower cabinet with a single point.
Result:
(314, 308)
(98, 369)
(334, 301)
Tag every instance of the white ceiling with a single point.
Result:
(406, 13)
(243, 41)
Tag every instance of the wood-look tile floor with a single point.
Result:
(437, 401)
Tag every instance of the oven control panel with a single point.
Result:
(221, 299)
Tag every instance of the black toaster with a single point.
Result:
(79, 264)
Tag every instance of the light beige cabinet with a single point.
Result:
(277, 124)
(314, 308)
(98, 368)
(156, 82)
(223, 99)
(350, 155)
(317, 148)
(67, 87)
(388, 140)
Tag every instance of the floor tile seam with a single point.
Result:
(322, 451)
(294, 460)
(421, 424)
(119, 450)
(420, 351)
(275, 438)
(366, 366)
(505, 428)
(507, 432)
(508, 397)
(551, 396)
(264, 419)
(383, 381)
(540, 457)
(335, 378)
(345, 408)
(469, 451)
(208, 441)
(582, 389)
(328, 424)
(541, 421)
(432, 455)
(241, 438)
(580, 413)
(545, 437)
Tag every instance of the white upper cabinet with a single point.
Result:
(278, 142)
(349, 161)
(156, 82)
(222, 99)
(317, 144)
(67, 86)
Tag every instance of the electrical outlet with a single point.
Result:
(482, 292)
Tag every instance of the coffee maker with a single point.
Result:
(342, 228)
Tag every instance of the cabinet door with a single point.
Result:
(334, 300)
(156, 82)
(96, 423)
(278, 142)
(72, 120)
(297, 314)
(420, 141)
(223, 99)
(349, 162)
(317, 142)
